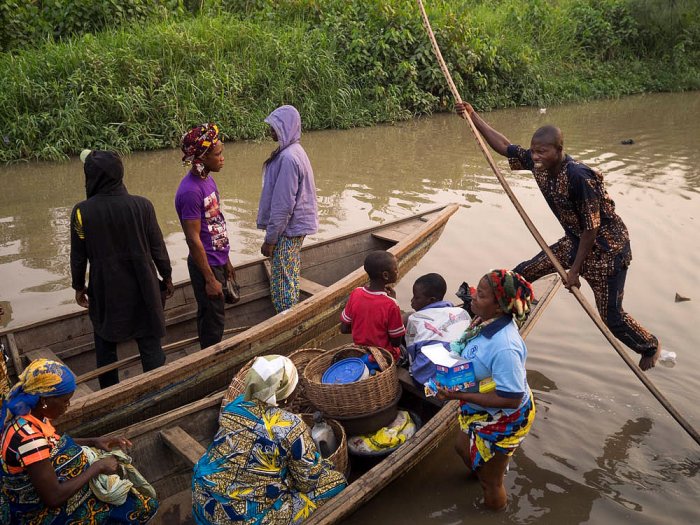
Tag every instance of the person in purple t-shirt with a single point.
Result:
(288, 210)
(198, 206)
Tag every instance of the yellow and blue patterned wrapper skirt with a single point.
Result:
(262, 468)
(286, 270)
(489, 433)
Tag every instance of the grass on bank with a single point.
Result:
(341, 63)
(137, 89)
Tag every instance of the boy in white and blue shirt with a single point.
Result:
(435, 321)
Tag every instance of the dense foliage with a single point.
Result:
(168, 63)
(31, 22)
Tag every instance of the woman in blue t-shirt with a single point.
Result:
(493, 423)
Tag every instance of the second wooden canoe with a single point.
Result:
(331, 268)
(167, 446)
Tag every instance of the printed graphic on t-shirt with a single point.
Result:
(431, 328)
(470, 353)
(216, 224)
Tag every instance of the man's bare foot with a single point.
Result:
(645, 363)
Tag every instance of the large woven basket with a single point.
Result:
(297, 402)
(5, 383)
(339, 458)
(352, 399)
(237, 385)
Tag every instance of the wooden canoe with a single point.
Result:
(166, 447)
(330, 270)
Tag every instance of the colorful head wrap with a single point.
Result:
(41, 378)
(271, 378)
(195, 144)
(513, 293)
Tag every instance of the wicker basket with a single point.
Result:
(352, 399)
(237, 385)
(5, 383)
(303, 357)
(339, 458)
(297, 402)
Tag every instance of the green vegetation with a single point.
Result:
(169, 63)
(27, 22)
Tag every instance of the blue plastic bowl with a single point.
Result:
(345, 371)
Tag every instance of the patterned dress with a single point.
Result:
(261, 468)
(286, 271)
(27, 440)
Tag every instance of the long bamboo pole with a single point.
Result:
(545, 248)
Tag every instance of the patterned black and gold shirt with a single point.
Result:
(577, 196)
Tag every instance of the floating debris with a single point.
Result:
(680, 298)
(543, 111)
(627, 141)
(667, 359)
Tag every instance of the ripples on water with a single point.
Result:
(602, 450)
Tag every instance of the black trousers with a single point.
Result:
(152, 356)
(210, 312)
(606, 276)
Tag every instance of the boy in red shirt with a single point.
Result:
(372, 314)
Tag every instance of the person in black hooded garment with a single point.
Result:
(118, 234)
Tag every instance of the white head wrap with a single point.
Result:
(271, 378)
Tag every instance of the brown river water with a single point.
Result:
(602, 450)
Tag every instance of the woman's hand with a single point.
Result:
(108, 465)
(110, 443)
(267, 249)
(443, 394)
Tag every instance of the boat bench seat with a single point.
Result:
(81, 389)
(310, 287)
(396, 233)
(389, 235)
(183, 444)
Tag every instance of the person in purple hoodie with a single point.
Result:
(288, 210)
(198, 206)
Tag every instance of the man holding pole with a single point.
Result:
(596, 243)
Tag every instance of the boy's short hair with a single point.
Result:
(377, 262)
(433, 285)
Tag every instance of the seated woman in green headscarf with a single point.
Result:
(262, 466)
(45, 478)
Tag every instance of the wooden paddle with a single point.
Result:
(545, 248)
